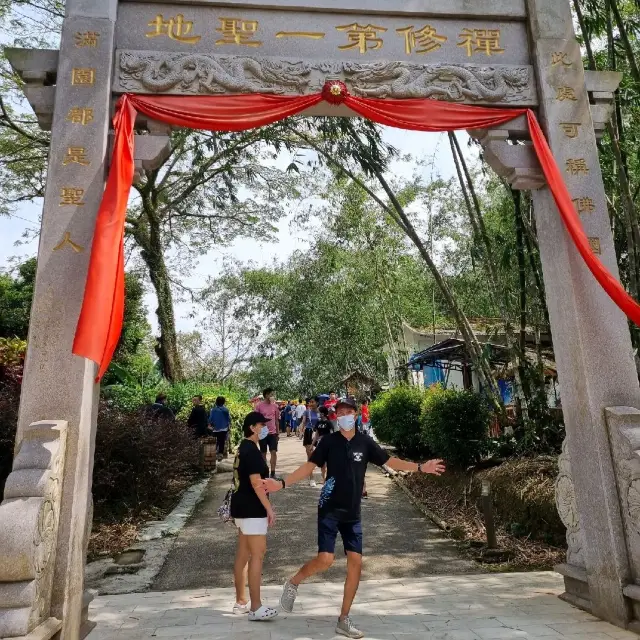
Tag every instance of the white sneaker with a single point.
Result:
(241, 609)
(313, 483)
(347, 628)
(263, 614)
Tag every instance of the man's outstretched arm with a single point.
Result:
(301, 473)
(435, 467)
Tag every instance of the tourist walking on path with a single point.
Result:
(198, 418)
(220, 421)
(323, 428)
(253, 515)
(346, 454)
(307, 426)
(331, 406)
(269, 408)
(288, 413)
(365, 420)
(301, 409)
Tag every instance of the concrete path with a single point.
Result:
(515, 606)
(399, 541)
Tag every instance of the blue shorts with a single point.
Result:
(328, 528)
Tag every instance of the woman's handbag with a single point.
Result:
(224, 511)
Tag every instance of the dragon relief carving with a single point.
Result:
(203, 74)
(568, 508)
(455, 83)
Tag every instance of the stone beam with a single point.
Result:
(150, 151)
(516, 163)
(484, 9)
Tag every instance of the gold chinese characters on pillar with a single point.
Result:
(87, 39)
(560, 59)
(577, 166)
(174, 28)
(565, 93)
(239, 32)
(71, 196)
(83, 76)
(483, 41)
(421, 41)
(570, 129)
(67, 241)
(76, 155)
(80, 115)
(363, 38)
(584, 205)
(246, 31)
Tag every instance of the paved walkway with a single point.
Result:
(399, 541)
(515, 606)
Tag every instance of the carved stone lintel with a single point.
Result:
(29, 517)
(568, 509)
(195, 74)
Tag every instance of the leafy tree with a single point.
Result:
(132, 359)
(16, 294)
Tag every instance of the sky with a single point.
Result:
(289, 239)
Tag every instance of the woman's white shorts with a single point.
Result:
(253, 526)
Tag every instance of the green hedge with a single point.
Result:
(179, 397)
(455, 424)
(395, 417)
(448, 424)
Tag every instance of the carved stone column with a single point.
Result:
(56, 383)
(592, 344)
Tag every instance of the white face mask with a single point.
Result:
(346, 423)
(264, 432)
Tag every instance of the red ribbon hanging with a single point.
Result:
(100, 322)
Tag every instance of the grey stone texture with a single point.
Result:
(173, 73)
(211, 30)
(486, 9)
(592, 344)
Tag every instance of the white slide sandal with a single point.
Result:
(263, 614)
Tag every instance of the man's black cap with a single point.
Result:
(348, 402)
(253, 418)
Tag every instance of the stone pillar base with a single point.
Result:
(48, 629)
(576, 586)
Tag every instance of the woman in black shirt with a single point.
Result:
(252, 512)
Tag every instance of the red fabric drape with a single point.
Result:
(100, 321)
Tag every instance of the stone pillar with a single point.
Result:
(58, 385)
(591, 338)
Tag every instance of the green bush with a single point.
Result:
(140, 464)
(131, 398)
(395, 417)
(455, 424)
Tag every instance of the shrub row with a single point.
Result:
(444, 423)
(139, 462)
(131, 398)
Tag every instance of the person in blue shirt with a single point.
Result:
(220, 421)
(288, 416)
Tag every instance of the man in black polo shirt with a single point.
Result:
(346, 454)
